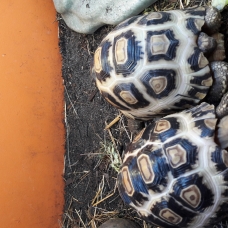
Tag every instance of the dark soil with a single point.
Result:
(85, 115)
(87, 171)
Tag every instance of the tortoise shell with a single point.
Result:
(174, 174)
(151, 64)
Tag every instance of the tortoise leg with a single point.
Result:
(220, 86)
(218, 54)
(222, 136)
(212, 20)
(220, 81)
(222, 113)
(222, 108)
(206, 43)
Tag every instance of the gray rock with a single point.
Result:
(219, 4)
(86, 16)
(119, 223)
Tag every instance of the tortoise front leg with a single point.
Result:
(222, 108)
(222, 112)
(212, 20)
(220, 81)
(217, 97)
(218, 54)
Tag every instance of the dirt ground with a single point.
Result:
(90, 193)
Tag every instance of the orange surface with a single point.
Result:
(31, 116)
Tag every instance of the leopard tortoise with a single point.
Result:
(174, 174)
(162, 62)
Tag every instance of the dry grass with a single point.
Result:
(98, 215)
(109, 156)
(162, 5)
(108, 150)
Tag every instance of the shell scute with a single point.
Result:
(197, 93)
(130, 95)
(219, 159)
(159, 83)
(166, 128)
(127, 53)
(197, 60)
(204, 128)
(191, 192)
(161, 45)
(101, 63)
(155, 18)
(113, 101)
(170, 213)
(196, 11)
(194, 25)
(182, 155)
(157, 168)
(203, 110)
(204, 80)
(126, 23)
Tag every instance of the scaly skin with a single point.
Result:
(219, 86)
(212, 20)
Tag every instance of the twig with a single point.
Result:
(98, 192)
(112, 138)
(122, 121)
(108, 196)
(80, 218)
(113, 199)
(67, 139)
(113, 122)
(76, 200)
(66, 213)
(74, 163)
(71, 103)
(87, 185)
(93, 224)
(87, 45)
(80, 71)
(95, 204)
(64, 164)
(83, 177)
(181, 5)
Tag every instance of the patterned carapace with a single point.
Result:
(174, 174)
(152, 64)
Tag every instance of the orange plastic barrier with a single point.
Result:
(31, 116)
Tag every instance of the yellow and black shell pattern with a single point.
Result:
(151, 64)
(174, 174)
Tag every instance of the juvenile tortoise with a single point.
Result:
(162, 62)
(174, 174)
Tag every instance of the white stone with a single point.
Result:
(86, 16)
(219, 4)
